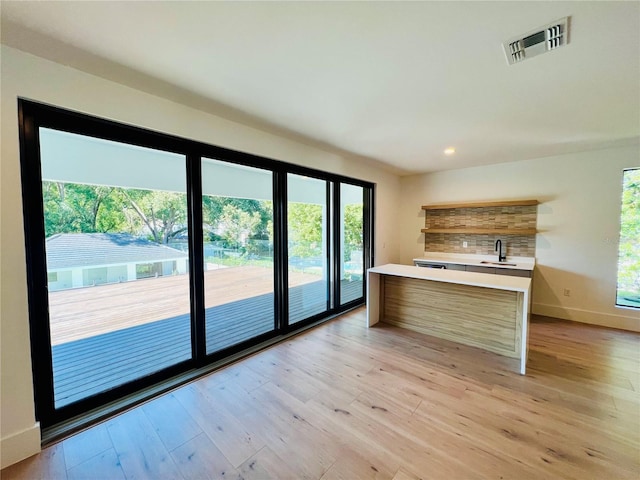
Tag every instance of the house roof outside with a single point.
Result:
(73, 250)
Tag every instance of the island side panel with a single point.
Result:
(525, 311)
(476, 316)
(519, 324)
(374, 298)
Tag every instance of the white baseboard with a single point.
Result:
(586, 316)
(20, 445)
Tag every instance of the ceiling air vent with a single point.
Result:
(542, 40)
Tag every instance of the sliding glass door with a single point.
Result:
(307, 231)
(150, 256)
(115, 220)
(237, 210)
(352, 235)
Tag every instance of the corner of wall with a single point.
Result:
(20, 445)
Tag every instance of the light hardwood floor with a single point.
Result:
(345, 402)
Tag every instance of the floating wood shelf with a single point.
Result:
(483, 231)
(506, 203)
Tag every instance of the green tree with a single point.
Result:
(238, 225)
(305, 229)
(78, 208)
(81, 208)
(213, 210)
(353, 230)
(164, 214)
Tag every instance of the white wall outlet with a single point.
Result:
(464, 244)
(567, 292)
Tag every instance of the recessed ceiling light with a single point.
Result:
(449, 151)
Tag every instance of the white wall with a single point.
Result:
(31, 77)
(578, 220)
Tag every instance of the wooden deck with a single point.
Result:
(96, 362)
(87, 312)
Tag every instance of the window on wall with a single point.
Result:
(628, 291)
(149, 256)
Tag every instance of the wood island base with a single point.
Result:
(475, 309)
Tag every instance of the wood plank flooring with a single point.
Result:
(345, 402)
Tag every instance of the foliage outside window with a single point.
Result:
(628, 293)
(353, 231)
(80, 208)
(305, 240)
(237, 231)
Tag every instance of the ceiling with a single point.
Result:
(395, 82)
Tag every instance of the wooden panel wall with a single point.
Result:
(480, 317)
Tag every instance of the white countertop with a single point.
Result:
(487, 280)
(514, 263)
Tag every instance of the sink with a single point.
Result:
(504, 264)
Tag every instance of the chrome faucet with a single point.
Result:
(501, 258)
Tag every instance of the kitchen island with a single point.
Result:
(475, 309)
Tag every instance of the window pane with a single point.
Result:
(351, 242)
(628, 294)
(307, 233)
(237, 204)
(116, 245)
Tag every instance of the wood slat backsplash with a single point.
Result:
(516, 245)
